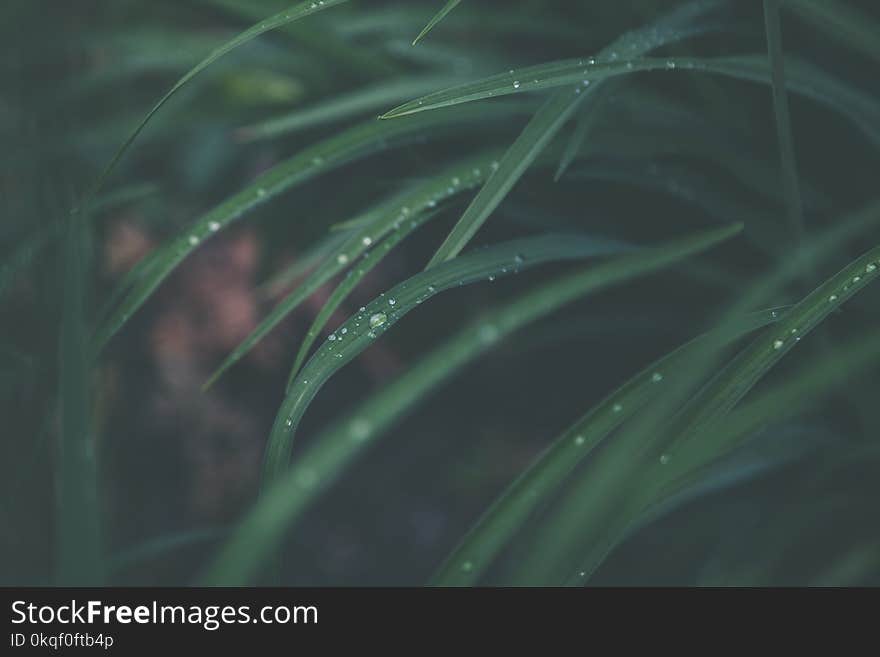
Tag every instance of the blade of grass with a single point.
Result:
(357, 142)
(803, 78)
(439, 16)
(368, 261)
(369, 229)
(293, 13)
(341, 106)
(550, 118)
(385, 311)
(340, 444)
(535, 486)
(78, 559)
(602, 505)
(788, 159)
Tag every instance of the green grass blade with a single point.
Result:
(535, 486)
(549, 119)
(439, 16)
(341, 106)
(368, 261)
(602, 502)
(375, 225)
(357, 142)
(339, 445)
(783, 119)
(735, 380)
(802, 78)
(382, 313)
(293, 13)
(518, 158)
(79, 559)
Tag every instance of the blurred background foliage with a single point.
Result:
(177, 466)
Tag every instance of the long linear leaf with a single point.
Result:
(551, 117)
(513, 507)
(341, 107)
(518, 158)
(439, 16)
(802, 78)
(793, 203)
(79, 549)
(368, 230)
(359, 331)
(338, 446)
(355, 275)
(293, 13)
(600, 505)
(357, 142)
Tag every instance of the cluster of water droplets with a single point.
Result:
(855, 281)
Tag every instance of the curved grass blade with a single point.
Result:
(293, 13)
(534, 487)
(78, 521)
(342, 106)
(359, 331)
(738, 377)
(518, 158)
(714, 443)
(603, 504)
(355, 275)
(369, 229)
(439, 16)
(550, 118)
(339, 445)
(788, 159)
(357, 142)
(802, 78)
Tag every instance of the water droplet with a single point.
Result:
(377, 319)
(261, 192)
(832, 298)
(214, 226)
(456, 181)
(579, 440)
(342, 259)
(193, 240)
(870, 267)
(617, 408)
(391, 302)
(467, 566)
(432, 289)
(856, 279)
(331, 337)
(362, 309)
(664, 459)
(586, 84)
(656, 377)
(516, 84)
(344, 331)
(367, 240)
(317, 161)
(777, 344)
(491, 278)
